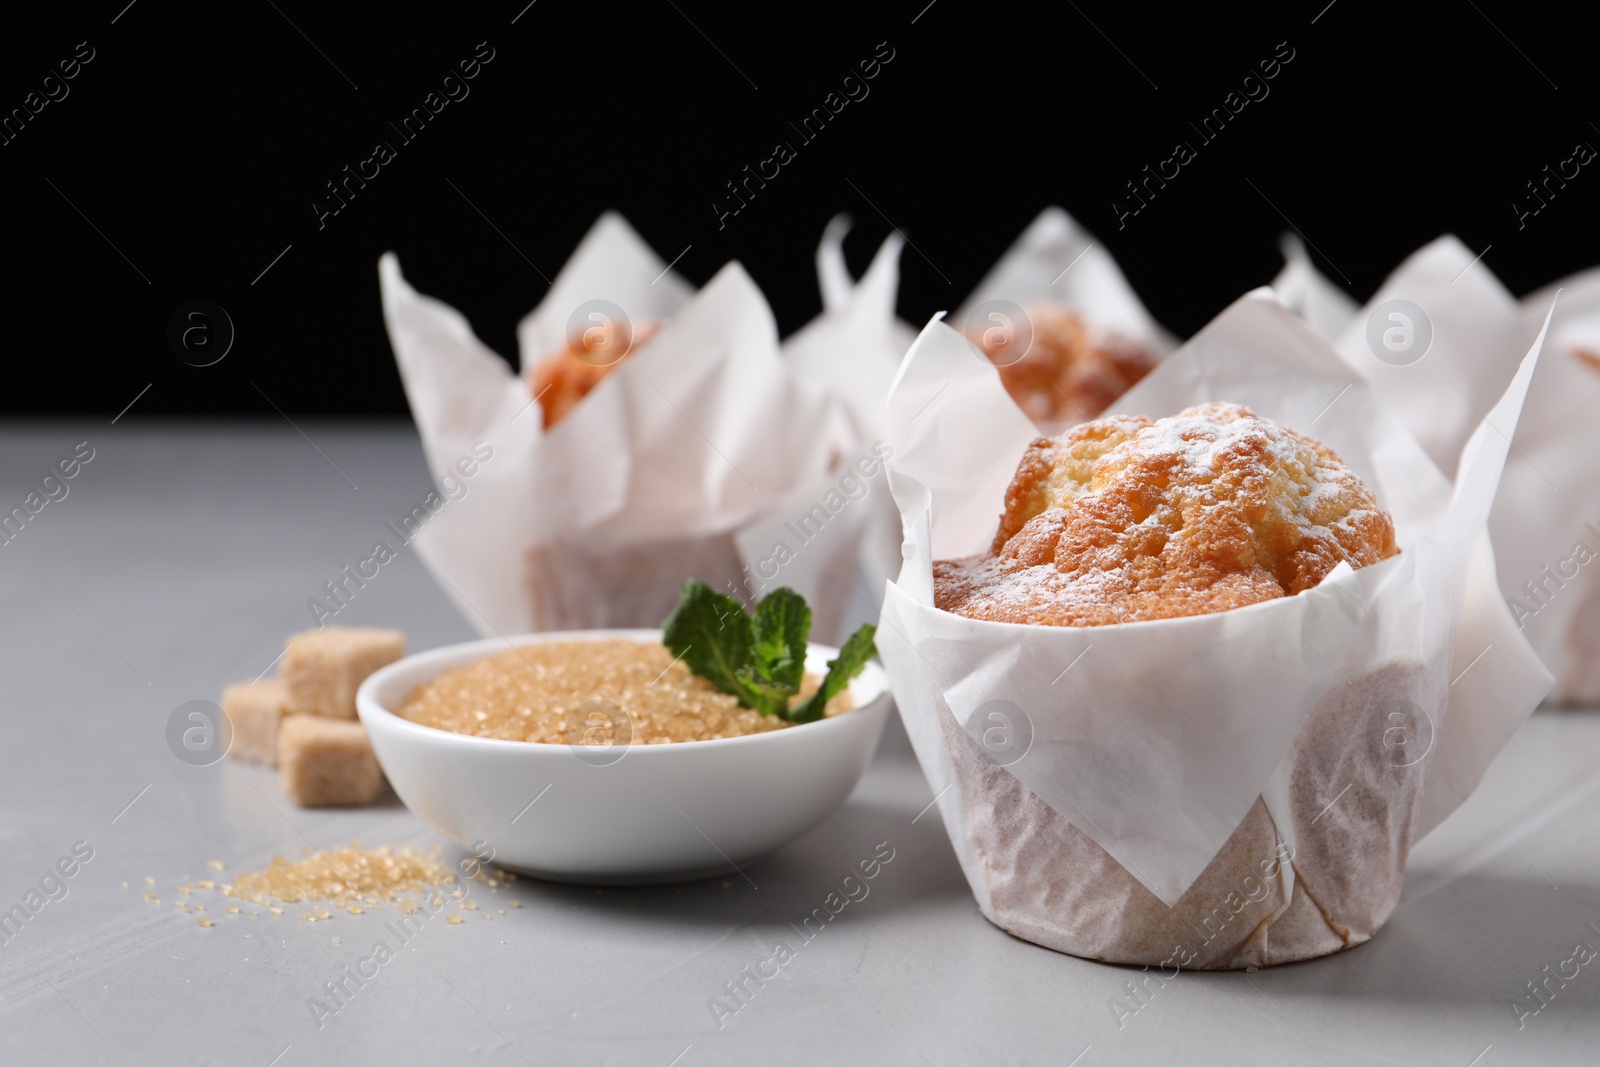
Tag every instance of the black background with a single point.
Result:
(197, 139)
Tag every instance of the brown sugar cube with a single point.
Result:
(327, 763)
(323, 668)
(255, 709)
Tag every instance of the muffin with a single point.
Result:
(1128, 519)
(1235, 777)
(1069, 372)
(681, 462)
(562, 379)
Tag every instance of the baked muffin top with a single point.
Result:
(1070, 372)
(1126, 519)
(562, 379)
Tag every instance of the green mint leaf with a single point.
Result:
(759, 661)
(852, 657)
(783, 622)
(762, 695)
(713, 637)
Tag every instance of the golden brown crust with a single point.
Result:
(1070, 372)
(564, 378)
(1125, 520)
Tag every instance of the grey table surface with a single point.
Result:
(180, 559)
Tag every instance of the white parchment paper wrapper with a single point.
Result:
(1307, 292)
(1546, 520)
(1545, 523)
(682, 463)
(1478, 335)
(852, 349)
(1166, 762)
(1057, 261)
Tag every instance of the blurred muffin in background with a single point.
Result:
(1059, 369)
(562, 379)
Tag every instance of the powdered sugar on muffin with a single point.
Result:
(1127, 519)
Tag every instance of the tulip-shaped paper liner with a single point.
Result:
(853, 349)
(676, 465)
(1546, 520)
(1439, 341)
(1056, 261)
(1155, 739)
(1448, 355)
(1305, 291)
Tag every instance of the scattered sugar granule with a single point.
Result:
(350, 878)
(205, 921)
(216, 865)
(452, 919)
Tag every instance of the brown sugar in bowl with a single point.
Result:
(594, 811)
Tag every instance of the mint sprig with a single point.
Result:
(761, 660)
(714, 638)
(858, 648)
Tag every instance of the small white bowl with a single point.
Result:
(635, 814)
